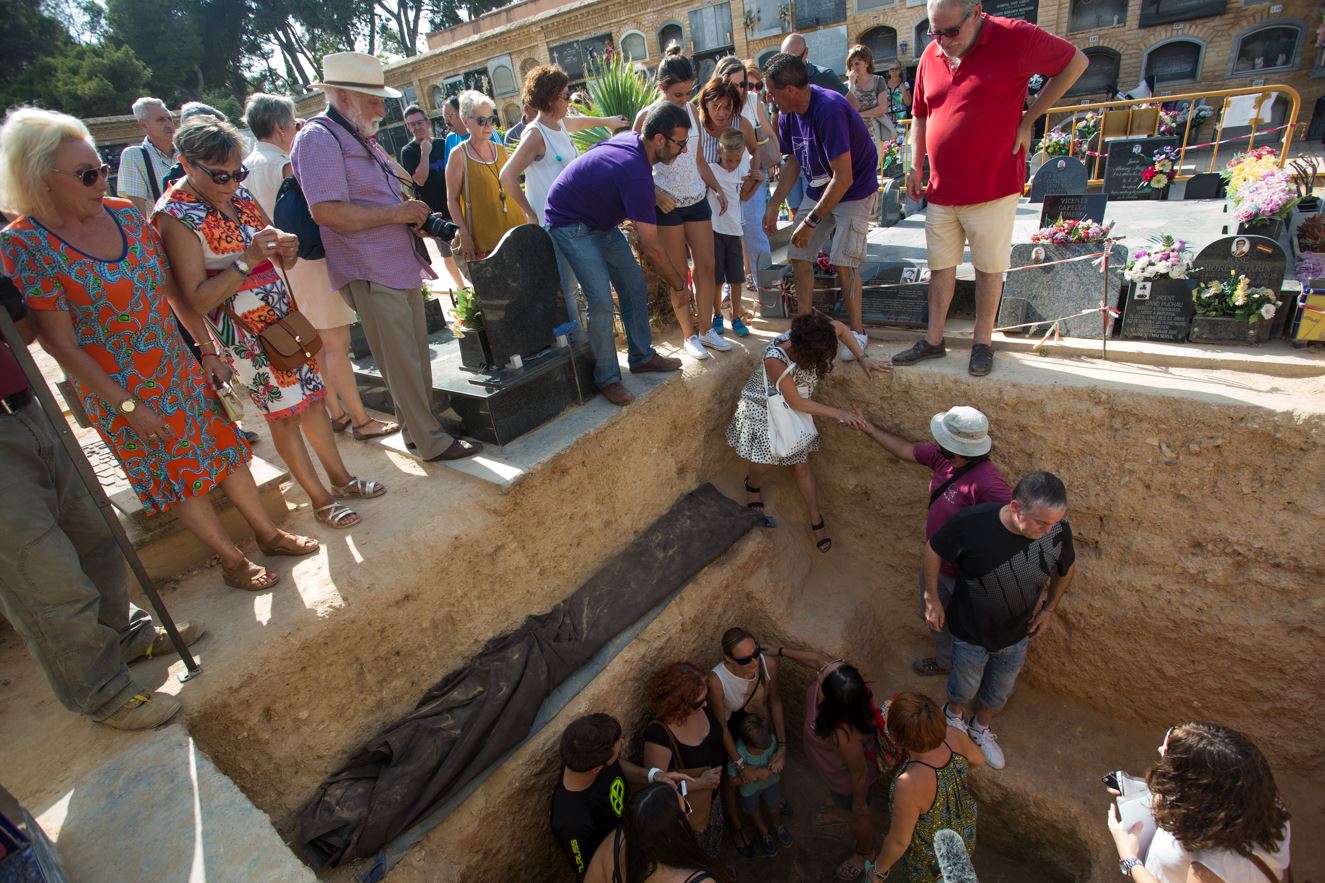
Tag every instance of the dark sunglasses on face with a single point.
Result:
(755, 86)
(220, 178)
(746, 660)
(486, 121)
(949, 33)
(89, 177)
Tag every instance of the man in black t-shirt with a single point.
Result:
(589, 799)
(429, 175)
(1005, 554)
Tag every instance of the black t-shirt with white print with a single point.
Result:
(999, 574)
(582, 819)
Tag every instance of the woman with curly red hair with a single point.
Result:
(1218, 814)
(685, 736)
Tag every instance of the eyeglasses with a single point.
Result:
(949, 33)
(486, 121)
(679, 145)
(89, 177)
(746, 660)
(220, 178)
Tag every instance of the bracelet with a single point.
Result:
(653, 772)
(208, 349)
(807, 222)
(779, 653)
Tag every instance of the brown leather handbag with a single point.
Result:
(290, 341)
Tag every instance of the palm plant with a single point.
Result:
(615, 89)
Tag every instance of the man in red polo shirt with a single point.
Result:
(969, 93)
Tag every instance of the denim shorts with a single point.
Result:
(770, 798)
(980, 674)
(690, 214)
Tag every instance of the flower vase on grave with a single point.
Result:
(475, 350)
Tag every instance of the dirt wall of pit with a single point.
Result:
(1195, 597)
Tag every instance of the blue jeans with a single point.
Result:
(602, 260)
(754, 238)
(569, 286)
(978, 673)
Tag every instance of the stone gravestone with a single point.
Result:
(1260, 259)
(1206, 185)
(1073, 207)
(1060, 174)
(906, 304)
(1158, 309)
(1061, 291)
(890, 202)
(1033, 164)
(1128, 160)
(519, 290)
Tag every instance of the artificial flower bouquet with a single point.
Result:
(1235, 298)
(1072, 232)
(1166, 257)
(1160, 173)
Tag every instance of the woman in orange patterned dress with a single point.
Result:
(93, 272)
(224, 254)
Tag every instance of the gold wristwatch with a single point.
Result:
(128, 406)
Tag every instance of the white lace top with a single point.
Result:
(681, 178)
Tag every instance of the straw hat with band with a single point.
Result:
(357, 72)
(962, 430)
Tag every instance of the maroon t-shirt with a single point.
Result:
(971, 114)
(12, 378)
(982, 484)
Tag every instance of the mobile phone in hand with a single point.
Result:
(1111, 782)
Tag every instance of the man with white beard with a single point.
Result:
(371, 232)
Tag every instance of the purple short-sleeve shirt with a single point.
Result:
(329, 170)
(609, 183)
(829, 128)
(983, 484)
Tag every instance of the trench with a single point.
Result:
(1182, 503)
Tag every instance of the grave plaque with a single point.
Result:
(1127, 162)
(907, 304)
(1206, 185)
(1061, 291)
(1026, 10)
(519, 291)
(1158, 309)
(1073, 207)
(890, 203)
(1059, 174)
(1258, 258)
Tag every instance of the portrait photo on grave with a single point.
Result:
(1241, 247)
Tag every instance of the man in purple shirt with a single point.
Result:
(825, 139)
(962, 476)
(371, 231)
(610, 183)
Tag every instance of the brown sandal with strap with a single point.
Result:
(340, 424)
(241, 577)
(389, 427)
(285, 543)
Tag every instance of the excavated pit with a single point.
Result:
(1197, 596)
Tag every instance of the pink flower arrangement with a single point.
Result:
(1072, 232)
(1271, 196)
(1166, 257)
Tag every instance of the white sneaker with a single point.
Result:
(845, 354)
(955, 722)
(988, 742)
(711, 339)
(694, 348)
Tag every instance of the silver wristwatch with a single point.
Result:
(242, 266)
(1127, 864)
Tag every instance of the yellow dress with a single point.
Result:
(487, 210)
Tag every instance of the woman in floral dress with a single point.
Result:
(224, 254)
(93, 272)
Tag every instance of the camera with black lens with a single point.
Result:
(439, 227)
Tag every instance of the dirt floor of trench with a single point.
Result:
(1194, 495)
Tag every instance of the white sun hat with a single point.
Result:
(356, 71)
(962, 430)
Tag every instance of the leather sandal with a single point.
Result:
(241, 578)
(340, 424)
(387, 427)
(827, 542)
(337, 515)
(286, 543)
(357, 487)
(758, 507)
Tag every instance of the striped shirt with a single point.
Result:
(131, 179)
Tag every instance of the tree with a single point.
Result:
(164, 35)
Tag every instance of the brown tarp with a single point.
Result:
(483, 709)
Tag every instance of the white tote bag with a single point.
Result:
(789, 430)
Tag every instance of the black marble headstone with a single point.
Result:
(890, 203)
(519, 292)
(1260, 259)
(1128, 160)
(906, 303)
(1158, 309)
(1061, 291)
(1073, 207)
(1206, 185)
(1059, 174)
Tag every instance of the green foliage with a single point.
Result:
(467, 309)
(615, 89)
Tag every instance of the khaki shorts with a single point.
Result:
(986, 225)
(848, 224)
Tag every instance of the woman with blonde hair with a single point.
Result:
(478, 201)
(94, 274)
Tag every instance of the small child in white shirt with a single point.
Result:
(728, 251)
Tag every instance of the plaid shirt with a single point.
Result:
(343, 171)
(131, 181)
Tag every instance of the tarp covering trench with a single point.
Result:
(483, 709)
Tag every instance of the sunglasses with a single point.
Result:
(685, 802)
(746, 660)
(949, 33)
(220, 178)
(89, 177)
(700, 704)
(486, 121)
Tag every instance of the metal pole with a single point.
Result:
(75, 452)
